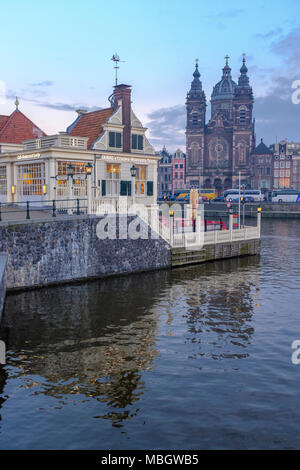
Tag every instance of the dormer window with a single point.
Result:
(115, 140)
(137, 142)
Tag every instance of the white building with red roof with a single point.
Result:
(112, 142)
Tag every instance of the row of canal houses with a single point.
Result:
(107, 148)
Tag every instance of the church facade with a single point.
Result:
(218, 151)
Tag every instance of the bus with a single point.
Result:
(285, 195)
(232, 195)
(207, 193)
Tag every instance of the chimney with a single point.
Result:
(123, 93)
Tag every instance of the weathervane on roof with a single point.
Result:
(116, 59)
(17, 102)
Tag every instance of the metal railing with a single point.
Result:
(41, 209)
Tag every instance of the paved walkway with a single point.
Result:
(12, 214)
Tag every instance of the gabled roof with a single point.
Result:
(90, 125)
(262, 149)
(16, 128)
(3, 121)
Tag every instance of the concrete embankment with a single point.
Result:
(269, 210)
(3, 264)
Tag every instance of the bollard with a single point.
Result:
(205, 225)
(53, 209)
(27, 210)
(78, 212)
(220, 223)
(0, 213)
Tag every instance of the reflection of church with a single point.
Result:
(217, 151)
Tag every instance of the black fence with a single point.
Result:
(53, 208)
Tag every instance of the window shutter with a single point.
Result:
(149, 188)
(123, 188)
(129, 188)
(103, 187)
(140, 142)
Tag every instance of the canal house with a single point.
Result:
(106, 149)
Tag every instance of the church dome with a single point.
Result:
(226, 87)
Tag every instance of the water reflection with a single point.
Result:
(218, 306)
(91, 340)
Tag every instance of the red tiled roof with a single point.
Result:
(18, 128)
(91, 125)
(3, 121)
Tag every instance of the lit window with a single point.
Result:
(112, 179)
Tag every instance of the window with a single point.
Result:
(288, 165)
(3, 181)
(31, 178)
(181, 165)
(115, 139)
(276, 164)
(268, 171)
(137, 142)
(282, 165)
(112, 179)
(242, 115)
(141, 178)
(79, 185)
(195, 118)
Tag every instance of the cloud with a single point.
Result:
(11, 94)
(167, 127)
(42, 84)
(269, 35)
(276, 115)
(288, 47)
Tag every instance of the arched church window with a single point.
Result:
(242, 153)
(194, 153)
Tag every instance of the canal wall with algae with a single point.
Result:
(3, 263)
(54, 251)
(69, 249)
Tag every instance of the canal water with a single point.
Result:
(194, 358)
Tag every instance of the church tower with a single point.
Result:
(243, 125)
(196, 109)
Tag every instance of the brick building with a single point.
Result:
(286, 164)
(262, 167)
(178, 171)
(171, 173)
(217, 151)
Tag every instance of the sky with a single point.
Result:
(56, 57)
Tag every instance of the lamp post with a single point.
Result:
(88, 169)
(133, 172)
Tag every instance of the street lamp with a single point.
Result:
(133, 171)
(71, 170)
(89, 168)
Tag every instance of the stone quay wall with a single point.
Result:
(3, 264)
(47, 252)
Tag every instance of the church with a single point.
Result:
(218, 151)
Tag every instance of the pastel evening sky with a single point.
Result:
(55, 56)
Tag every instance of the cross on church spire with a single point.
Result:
(226, 58)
